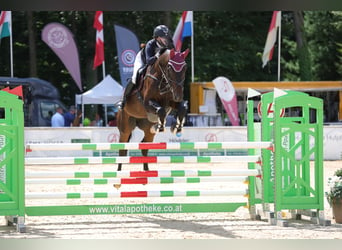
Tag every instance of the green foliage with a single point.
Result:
(324, 30)
(334, 195)
(338, 172)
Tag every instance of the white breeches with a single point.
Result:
(138, 63)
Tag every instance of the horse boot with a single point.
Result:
(128, 90)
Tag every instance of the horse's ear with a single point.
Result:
(172, 53)
(185, 53)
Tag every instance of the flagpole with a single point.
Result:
(11, 44)
(279, 47)
(103, 63)
(11, 52)
(103, 69)
(192, 50)
(104, 74)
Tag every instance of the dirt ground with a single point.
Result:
(236, 225)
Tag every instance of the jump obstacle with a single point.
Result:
(279, 176)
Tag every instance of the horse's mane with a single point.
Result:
(162, 50)
(162, 58)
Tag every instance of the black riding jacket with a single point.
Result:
(152, 48)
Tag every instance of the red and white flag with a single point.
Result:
(99, 49)
(271, 37)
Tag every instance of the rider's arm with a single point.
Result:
(150, 52)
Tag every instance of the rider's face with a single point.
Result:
(162, 40)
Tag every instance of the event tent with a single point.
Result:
(108, 91)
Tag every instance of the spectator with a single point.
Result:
(170, 119)
(69, 116)
(98, 122)
(112, 119)
(112, 123)
(86, 122)
(78, 119)
(57, 119)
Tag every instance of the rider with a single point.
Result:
(148, 55)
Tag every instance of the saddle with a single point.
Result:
(140, 80)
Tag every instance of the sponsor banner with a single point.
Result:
(226, 92)
(61, 41)
(127, 46)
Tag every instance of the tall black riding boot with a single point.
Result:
(128, 90)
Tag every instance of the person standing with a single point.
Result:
(57, 119)
(69, 117)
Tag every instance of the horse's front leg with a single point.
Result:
(182, 109)
(154, 107)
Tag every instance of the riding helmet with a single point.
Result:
(161, 31)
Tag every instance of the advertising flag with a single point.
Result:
(61, 41)
(127, 45)
(183, 29)
(226, 92)
(5, 24)
(271, 38)
(99, 48)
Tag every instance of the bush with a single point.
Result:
(334, 195)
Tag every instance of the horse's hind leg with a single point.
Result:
(125, 126)
(123, 152)
(154, 107)
(148, 137)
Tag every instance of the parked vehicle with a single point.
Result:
(40, 99)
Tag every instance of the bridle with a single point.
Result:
(177, 67)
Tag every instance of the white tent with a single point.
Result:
(108, 91)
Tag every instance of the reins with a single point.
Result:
(167, 86)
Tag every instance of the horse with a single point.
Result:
(149, 103)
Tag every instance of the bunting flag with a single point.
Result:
(271, 37)
(5, 24)
(18, 91)
(99, 49)
(127, 45)
(226, 92)
(61, 41)
(183, 29)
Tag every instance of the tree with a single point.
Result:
(302, 47)
(225, 44)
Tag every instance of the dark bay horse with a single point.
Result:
(161, 92)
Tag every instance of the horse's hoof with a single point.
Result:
(176, 130)
(173, 129)
(153, 130)
(156, 129)
(117, 186)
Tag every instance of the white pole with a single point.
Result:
(82, 110)
(192, 50)
(279, 47)
(103, 69)
(11, 44)
(104, 75)
(103, 63)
